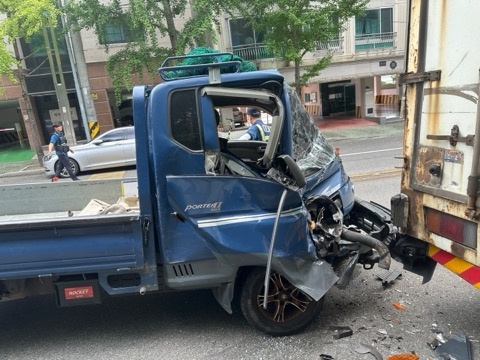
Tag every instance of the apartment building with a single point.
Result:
(367, 56)
(360, 81)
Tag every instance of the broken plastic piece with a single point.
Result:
(365, 349)
(388, 276)
(403, 357)
(398, 306)
(341, 331)
(436, 340)
(326, 357)
(457, 347)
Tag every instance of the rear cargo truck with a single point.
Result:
(439, 204)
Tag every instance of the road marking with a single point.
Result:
(107, 175)
(369, 152)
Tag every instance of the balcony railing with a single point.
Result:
(335, 45)
(375, 41)
(252, 52)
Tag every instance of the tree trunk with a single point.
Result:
(172, 31)
(298, 88)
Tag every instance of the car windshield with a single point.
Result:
(310, 149)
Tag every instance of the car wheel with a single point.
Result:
(288, 311)
(64, 173)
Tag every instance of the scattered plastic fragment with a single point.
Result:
(457, 347)
(398, 306)
(341, 331)
(365, 349)
(436, 340)
(388, 276)
(326, 357)
(382, 331)
(404, 357)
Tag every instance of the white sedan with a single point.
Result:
(115, 148)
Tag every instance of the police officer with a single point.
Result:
(258, 130)
(59, 142)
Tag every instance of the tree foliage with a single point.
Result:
(144, 21)
(24, 18)
(293, 28)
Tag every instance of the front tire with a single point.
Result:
(289, 310)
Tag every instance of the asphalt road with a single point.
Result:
(192, 325)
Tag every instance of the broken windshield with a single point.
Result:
(311, 150)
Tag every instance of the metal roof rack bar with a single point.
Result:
(168, 73)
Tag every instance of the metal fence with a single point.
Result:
(375, 41)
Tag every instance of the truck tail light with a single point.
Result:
(451, 227)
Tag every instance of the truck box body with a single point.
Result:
(439, 202)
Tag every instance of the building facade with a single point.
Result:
(360, 81)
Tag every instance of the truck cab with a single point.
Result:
(226, 209)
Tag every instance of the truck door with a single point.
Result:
(441, 157)
(215, 222)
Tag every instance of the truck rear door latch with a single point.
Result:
(454, 137)
(146, 231)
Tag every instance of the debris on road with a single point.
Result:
(388, 276)
(398, 306)
(341, 331)
(365, 349)
(404, 357)
(457, 347)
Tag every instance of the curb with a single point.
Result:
(21, 172)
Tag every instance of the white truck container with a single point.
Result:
(439, 202)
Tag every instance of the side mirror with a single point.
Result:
(97, 142)
(290, 172)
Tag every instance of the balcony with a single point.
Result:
(331, 46)
(375, 41)
(252, 52)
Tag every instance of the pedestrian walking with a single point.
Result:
(258, 130)
(58, 141)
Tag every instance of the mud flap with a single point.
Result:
(412, 253)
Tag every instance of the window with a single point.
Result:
(388, 81)
(375, 29)
(120, 30)
(184, 122)
(116, 34)
(246, 42)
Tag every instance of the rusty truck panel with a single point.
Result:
(438, 203)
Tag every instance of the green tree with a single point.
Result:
(293, 28)
(142, 21)
(23, 19)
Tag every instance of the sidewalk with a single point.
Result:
(333, 129)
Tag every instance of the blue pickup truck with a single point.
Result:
(274, 224)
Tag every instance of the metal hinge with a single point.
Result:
(454, 138)
(412, 78)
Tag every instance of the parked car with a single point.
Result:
(238, 117)
(115, 148)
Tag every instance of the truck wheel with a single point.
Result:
(288, 311)
(64, 173)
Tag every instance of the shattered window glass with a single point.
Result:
(310, 149)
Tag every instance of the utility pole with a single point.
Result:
(59, 83)
(79, 67)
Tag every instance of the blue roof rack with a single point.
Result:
(213, 65)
